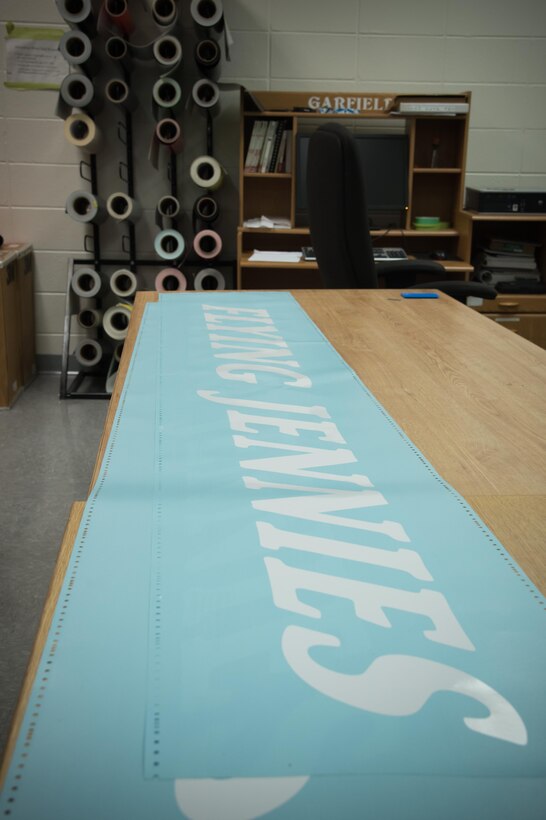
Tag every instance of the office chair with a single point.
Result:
(338, 221)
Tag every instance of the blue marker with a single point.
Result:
(419, 295)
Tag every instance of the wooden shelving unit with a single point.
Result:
(437, 159)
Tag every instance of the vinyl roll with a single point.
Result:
(208, 56)
(117, 14)
(90, 318)
(80, 130)
(209, 279)
(123, 208)
(207, 244)
(206, 95)
(168, 208)
(118, 92)
(169, 134)
(77, 13)
(113, 368)
(207, 13)
(205, 208)
(169, 244)
(116, 320)
(88, 353)
(166, 94)
(86, 283)
(207, 172)
(164, 12)
(170, 280)
(85, 207)
(76, 48)
(123, 283)
(167, 52)
(77, 91)
(116, 49)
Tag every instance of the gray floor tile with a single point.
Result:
(47, 454)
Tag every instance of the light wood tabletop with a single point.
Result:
(470, 394)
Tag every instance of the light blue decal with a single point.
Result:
(275, 606)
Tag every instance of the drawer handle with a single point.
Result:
(509, 305)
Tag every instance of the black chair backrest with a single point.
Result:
(338, 216)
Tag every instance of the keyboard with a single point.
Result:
(389, 254)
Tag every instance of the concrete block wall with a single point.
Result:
(494, 48)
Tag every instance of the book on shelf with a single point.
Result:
(268, 146)
(503, 261)
(279, 131)
(255, 146)
(512, 246)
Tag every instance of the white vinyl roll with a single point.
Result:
(90, 318)
(112, 373)
(206, 95)
(123, 283)
(86, 283)
(119, 93)
(123, 208)
(209, 279)
(77, 13)
(207, 244)
(88, 353)
(168, 208)
(118, 350)
(85, 207)
(164, 12)
(80, 130)
(169, 244)
(170, 280)
(167, 93)
(116, 321)
(207, 172)
(207, 13)
(167, 51)
(77, 91)
(76, 48)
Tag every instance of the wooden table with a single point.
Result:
(468, 393)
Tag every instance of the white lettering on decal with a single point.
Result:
(229, 371)
(245, 423)
(316, 410)
(403, 560)
(370, 601)
(400, 685)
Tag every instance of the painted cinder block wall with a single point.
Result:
(494, 48)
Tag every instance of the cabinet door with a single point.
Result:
(531, 326)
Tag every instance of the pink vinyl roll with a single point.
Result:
(170, 280)
(207, 244)
(169, 134)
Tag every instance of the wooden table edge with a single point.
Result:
(55, 584)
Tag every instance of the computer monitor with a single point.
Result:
(385, 165)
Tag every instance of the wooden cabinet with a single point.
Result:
(524, 314)
(435, 179)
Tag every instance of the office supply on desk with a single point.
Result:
(338, 214)
(275, 256)
(415, 295)
(465, 770)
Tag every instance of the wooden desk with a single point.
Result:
(469, 395)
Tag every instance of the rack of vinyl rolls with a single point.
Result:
(139, 102)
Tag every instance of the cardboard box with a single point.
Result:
(17, 359)
(25, 285)
(10, 323)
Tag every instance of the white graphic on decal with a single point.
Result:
(237, 798)
(400, 685)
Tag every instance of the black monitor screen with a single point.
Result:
(385, 165)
